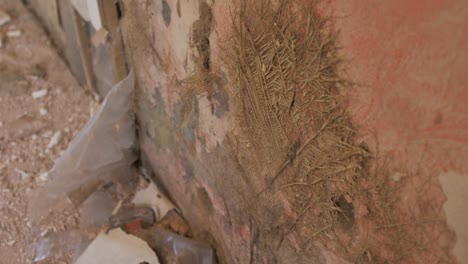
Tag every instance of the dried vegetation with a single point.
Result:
(287, 89)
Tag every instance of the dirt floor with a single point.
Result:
(42, 107)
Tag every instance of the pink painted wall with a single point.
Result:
(410, 59)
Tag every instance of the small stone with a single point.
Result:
(397, 176)
(42, 111)
(24, 175)
(43, 233)
(4, 17)
(13, 33)
(100, 37)
(39, 94)
(38, 72)
(44, 176)
(34, 137)
(47, 134)
(11, 243)
(55, 139)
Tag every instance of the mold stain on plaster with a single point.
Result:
(166, 12)
(220, 101)
(205, 85)
(190, 119)
(200, 38)
(178, 8)
(188, 169)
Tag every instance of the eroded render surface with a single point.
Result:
(317, 132)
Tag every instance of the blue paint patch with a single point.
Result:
(166, 13)
(158, 97)
(177, 113)
(186, 114)
(221, 101)
(188, 169)
(187, 133)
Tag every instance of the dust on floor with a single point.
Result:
(42, 108)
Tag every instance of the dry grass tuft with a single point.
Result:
(287, 94)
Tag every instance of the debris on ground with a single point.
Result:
(94, 192)
(24, 175)
(150, 195)
(4, 18)
(142, 217)
(11, 243)
(119, 248)
(175, 222)
(99, 37)
(101, 153)
(42, 111)
(13, 33)
(53, 245)
(39, 94)
(38, 72)
(44, 176)
(96, 176)
(25, 133)
(21, 127)
(172, 248)
(54, 140)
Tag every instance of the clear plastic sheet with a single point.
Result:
(96, 167)
(102, 58)
(56, 245)
(102, 152)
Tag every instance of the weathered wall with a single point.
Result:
(180, 137)
(410, 58)
(407, 61)
(280, 147)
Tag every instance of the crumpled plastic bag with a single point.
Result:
(55, 245)
(102, 152)
(104, 76)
